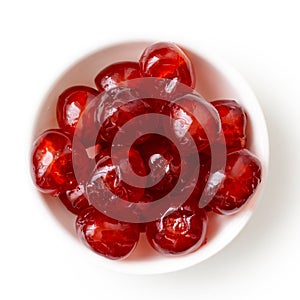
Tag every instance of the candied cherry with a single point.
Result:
(167, 60)
(117, 109)
(74, 199)
(106, 181)
(180, 232)
(52, 168)
(106, 236)
(99, 122)
(191, 115)
(163, 165)
(238, 183)
(113, 75)
(70, 105)
(233, 120)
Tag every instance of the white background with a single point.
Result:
(40, 39)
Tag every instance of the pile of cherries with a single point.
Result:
(74, 162)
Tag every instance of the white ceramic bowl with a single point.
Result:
(215, 80)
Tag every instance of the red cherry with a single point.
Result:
(119, 108)
(108, 237)
(71, 103)
(87, 130)
(52, 168)
(74, 199)
(167, 60)
(109, 180)
(238, 184)
(180, 232)
(113, 75)
(190, 114)
(233, 120)
(163, 165)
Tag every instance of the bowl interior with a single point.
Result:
(215, 80)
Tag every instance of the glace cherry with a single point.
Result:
(109, 180)
(191, 115)
(113, 75)
(180, 232)
(52, 168)
(70, 105)
(238, 183)
(163, 165)
(167, 60)
(233, 120)
(106, 236)
(74, 199)
(118, 107)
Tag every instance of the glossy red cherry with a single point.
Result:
(120, 106)
(99, 121)
(110, 180)
(74, 199)
(233, 120)
(191, 115)
(108, 237)
(163, 165)
(52, 168)
(180, 232)
(114, 75)
(70, 105)
(238, 184)
(167, 60)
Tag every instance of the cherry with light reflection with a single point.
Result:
(114, 75)
(237, 185)
(70, 105)
(52, 168)
(108, 237)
